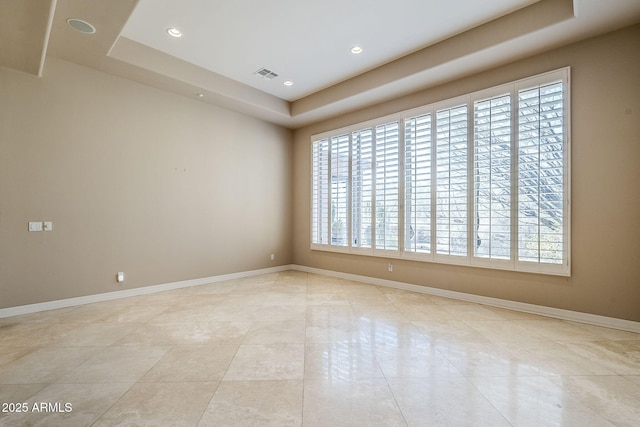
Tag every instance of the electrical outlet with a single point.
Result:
(120, 277)
(390, 267)
(273, 257)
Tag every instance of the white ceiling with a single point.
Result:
(307, 42)
(409, 45)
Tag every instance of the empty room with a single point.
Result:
(319, 213)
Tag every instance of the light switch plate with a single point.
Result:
(35, 226)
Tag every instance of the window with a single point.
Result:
(541, 174)
(492, 177)
(339, 190)
(387, 176)
(480, 180)
(451, 181)
(362, 188)
(417, 186)
(320, 182)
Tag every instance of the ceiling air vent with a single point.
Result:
(266, 74)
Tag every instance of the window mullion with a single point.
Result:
(401, 186)
(374, 179)
(434, 182)
(515, 172)
(329, 190)
(470, 179)
(349, 206)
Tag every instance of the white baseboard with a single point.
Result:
(575, 316)
(145, 290)
(591, 319)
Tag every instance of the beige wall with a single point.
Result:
(166, 188)
(605, 166)
(159, 186)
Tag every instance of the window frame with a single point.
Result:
(470, 259)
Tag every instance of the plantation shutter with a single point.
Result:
(541, 167)
(362, 188)
(492, 178)
(387, 185)
(320, 193)
(417, 187)
(451, 181)
(482, 180)
(340, 190)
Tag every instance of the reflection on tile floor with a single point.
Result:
(293, 348)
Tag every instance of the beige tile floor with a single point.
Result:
(299, 349)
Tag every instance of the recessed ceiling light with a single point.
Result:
(174, 32)
(356, 50)
(200, 95)
(287, 83)
(83, 26)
